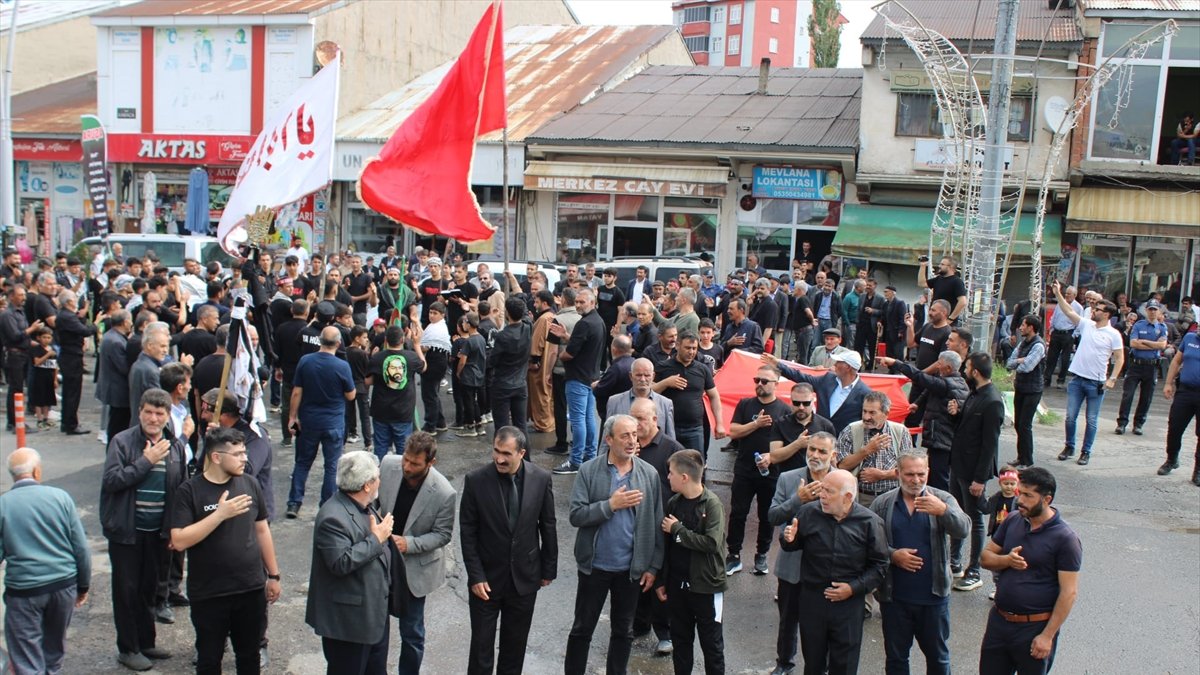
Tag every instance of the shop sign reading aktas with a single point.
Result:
(178, 148)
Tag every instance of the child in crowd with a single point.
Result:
(45, 377)
(358, 356)
(470, 366)
(711, 354)
(692, 582)
(1000, 506)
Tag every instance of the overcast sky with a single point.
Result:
(627, 12)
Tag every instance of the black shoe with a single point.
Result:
(780, 670)
(77, 431)
(287, 443)
(556, 450)
(760, 564)
(156, 653)
(1137, 430)
(1067, 453)
(178, 600)
(565, 469)
(1120, 430)
(1167, 467)
(1084, 458)
(163, 614)
(293, 511)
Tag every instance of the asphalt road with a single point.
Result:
(1138, 609)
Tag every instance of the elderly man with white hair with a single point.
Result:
(49, 566)
(350, 559)
(156, 346)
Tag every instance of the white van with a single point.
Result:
(170, 249)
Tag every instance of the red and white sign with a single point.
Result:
(178, 148)
(47, 150)
(292, 156)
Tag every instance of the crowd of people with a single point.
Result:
(869, 523)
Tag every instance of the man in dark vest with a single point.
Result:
(1028, 362)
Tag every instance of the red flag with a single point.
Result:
(422, 178)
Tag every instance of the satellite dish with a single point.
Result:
(1054, 113)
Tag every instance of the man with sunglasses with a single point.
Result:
(790, 435)
(752, 426)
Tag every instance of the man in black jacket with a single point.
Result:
(72, 331)
(973, 459)
(869, 314)
(509, 361)
(894, 329)
(144, 466)
(288, 352)
(509, 550)
(941, 384)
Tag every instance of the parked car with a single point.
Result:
(661, 267)
(170, 249)
(552, 271)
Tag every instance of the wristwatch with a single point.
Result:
(274, 577)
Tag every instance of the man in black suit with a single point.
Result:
(509, 549)
(840, 391)
(895, 331)
(112, 388)
(639, 286)
(869, 314)
(72, 331)
(973, 459)
(350, 561)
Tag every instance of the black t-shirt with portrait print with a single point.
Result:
(228, 561)
(393, 385)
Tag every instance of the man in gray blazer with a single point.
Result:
(421, 503)
(794, 489)
(918, 521)
(156, 345)
(112, 387)
(349, 580)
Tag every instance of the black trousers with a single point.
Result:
(71, 367)
(359, 410)
(939, 468)
(788, 636)
(744, 489)
(1184, 408)
(960, 489)
(695, 614)
(285, 410)
(830, 633)
(652, 613)
(136, 569)
(1061, 346)
(118, 420)
(236, 617)
(558, 389)
(514, 613)
(431, 379)
(511, 408)
(1005, 648)
(354, 658)
(470, 403)
(865, 342)
(1025, 411)
(1140, 378)
(590, 595)
(171, 582)
(15, 366)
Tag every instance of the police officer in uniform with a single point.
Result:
(1184, 396)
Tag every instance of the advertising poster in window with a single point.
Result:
(202, 79)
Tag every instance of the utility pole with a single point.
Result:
(982, 261)
(8, 188)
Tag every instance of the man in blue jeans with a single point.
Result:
(391, 374)
(320, 388)
(581, 360)
(1098, 343)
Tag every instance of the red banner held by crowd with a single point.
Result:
(734, 381)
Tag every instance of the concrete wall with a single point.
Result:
(882, 152)
(37, 63)
(405, 39)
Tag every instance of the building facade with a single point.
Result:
(744, 32)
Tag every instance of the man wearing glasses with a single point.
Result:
(752, 426)
(790, 435)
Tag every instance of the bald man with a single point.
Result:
(845, 558)
(320, 388)
(49, 566)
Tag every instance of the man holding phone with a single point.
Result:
(946, 284)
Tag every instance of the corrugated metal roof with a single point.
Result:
(55, 108)
(955, 20)
(804, 108)
(549, 69)
(148, 8)
(1090, 6)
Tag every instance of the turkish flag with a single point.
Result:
(422, 177)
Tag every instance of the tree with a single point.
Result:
(825, 31)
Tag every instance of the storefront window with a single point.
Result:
(1158, 267)
(369, 230)
(581, 217)
(636, 208)
(1103, 264)
(781, 211)
(491, 205)
(772, 244)
(688, 233)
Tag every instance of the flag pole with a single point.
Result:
(505, 235)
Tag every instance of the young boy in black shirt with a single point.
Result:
(358, 355)
(470, 368)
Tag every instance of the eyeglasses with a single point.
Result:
(802, 404)
(760, 380)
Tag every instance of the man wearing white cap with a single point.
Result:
(840, 391)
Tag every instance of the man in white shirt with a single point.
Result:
(1061, 343)
(298, 250)
(1098, 343)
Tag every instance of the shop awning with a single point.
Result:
(1138, 212)
(644, 179)
(896, 234)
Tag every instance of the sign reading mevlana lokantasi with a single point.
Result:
(292, 156)
(96, 170)
(793, 182)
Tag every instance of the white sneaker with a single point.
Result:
(352, 439)
(102, 437)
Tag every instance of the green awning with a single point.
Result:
(896, 234)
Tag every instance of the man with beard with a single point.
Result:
(359, 283)
(918, 521)
(973, 459)
(870, 311)
(661, 351)
(895, 311)
(795, 488)
(840, 391)
(509, 362)
(845, 559)
(641, 377)
(686, 381)
(581, 359)
(1038, 557)
(391, 374)
(389, 292)
(751, 426)
(763, 310)
(942, 382)
(791, 434)
(1027, 363)
(946, 284)
(869, 448)
(929, 342)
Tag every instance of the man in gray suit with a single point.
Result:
(421, 503)
(349, 579)
(794, 489)
(156, 346)
(112, 389)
